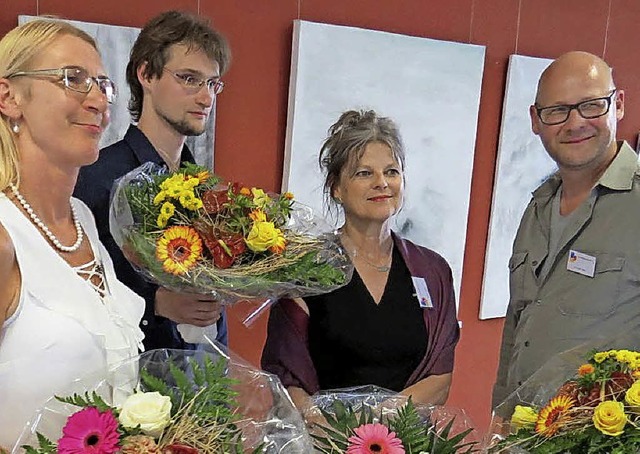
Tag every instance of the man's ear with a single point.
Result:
(143, 78)
(619, 104)
(10, 100)
(535, 120)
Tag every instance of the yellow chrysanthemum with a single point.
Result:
(552, 417)
(162, 221)
(260, 198)
(167, 209)
(159, 198)
(609, 418)
(586, 369)
(523, 418)
(600, 356)
(258, 216)
(179, 249)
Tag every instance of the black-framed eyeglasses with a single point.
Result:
(589, 109)
(75, 78)
(195, 83)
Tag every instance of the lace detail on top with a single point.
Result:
(93, 273)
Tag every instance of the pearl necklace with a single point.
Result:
(36, 220)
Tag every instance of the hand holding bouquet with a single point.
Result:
(187, 232)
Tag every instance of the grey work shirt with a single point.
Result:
(551, 313)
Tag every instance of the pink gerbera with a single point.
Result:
(374, 439)
(89, 431)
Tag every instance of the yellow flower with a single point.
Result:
(245, 191)
(178, 249)
(187, 199)
(632, 397)
(288, 195)
(600, 356)
(159, 198)
(260, 198)
(279, 245)
(586, 369)
(636, 373)
(258, 215)
(162, 221)
(167, 209)
(194, 205)
(262, 236)
(524, 418)
(609, 418)
(552, 417)
(203, 176)
(191, 182)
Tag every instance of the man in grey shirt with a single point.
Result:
(575, 268)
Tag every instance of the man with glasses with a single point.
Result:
(174, 77)
(575, 268)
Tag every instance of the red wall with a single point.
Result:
(252, 110)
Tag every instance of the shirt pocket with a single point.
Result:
(594, 296)
(521, 283)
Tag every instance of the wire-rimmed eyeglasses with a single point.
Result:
(74, 78)
(195, 83)
(589, 109)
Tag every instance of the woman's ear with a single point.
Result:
(10, 99)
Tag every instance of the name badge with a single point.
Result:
(422, 292)
(581, 263)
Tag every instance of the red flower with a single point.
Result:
(89, 431)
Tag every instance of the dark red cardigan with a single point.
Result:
(286, 352)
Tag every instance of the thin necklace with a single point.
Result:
(379, 268)
(36, 220)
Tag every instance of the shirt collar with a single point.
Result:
(618, 176)
(144, 150)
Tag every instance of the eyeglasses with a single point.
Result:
(589, 109)
(194, 83)
(75, 78)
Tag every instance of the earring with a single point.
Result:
(338, 200)
(15, 128)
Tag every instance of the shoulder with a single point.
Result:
(415, 254)
(8, 272)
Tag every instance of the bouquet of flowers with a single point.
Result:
(597, 410)
(186, 231)
(184, 402)
(367, 420)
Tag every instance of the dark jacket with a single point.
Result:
(94, 188)
(286, 352)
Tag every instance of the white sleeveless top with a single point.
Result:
(61, 330)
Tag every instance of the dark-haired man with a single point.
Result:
(174, 76)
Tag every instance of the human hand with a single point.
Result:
(190, 308)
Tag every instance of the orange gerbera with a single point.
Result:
(586, 369)
(552, 417)
(178, 249)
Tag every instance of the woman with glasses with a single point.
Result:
(63, 313)
(394, 325)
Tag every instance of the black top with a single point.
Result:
(354, 341)
(94, 188)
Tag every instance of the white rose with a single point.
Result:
(150, 411)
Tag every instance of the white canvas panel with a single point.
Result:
(114, 43)
(522, 164)
(430, 88)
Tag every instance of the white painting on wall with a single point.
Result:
(430, 88)
(114, 43)
(522, 164)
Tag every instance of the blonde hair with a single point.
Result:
(18, 48)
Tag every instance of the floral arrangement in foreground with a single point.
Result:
(394, 426)
(171, 402)
(184, 230)
(596, 411)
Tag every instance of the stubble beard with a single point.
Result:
(183, 127)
